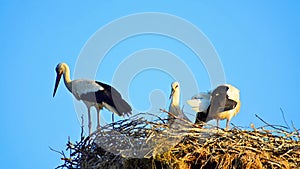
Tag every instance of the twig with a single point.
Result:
(284, 119)
(59, 152)
(269, 125)
(297, 130)
(176, 117)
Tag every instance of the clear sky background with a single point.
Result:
(257, 42)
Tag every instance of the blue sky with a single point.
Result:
(257, 42)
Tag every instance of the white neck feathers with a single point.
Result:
(176, 97)
(66, 74)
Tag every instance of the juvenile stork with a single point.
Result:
(174, 107)
(93, 93)
(224, 104)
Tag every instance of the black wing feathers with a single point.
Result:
(220, 101)
(109, 96)
(230, 104)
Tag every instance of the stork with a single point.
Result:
(174, 107)
(93, 93)
(224, 104)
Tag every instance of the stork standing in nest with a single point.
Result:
(224, 103)
(174, 107)
(93, 93)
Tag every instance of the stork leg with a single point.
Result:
(98, 119)
(89, 121)
(113, 120)
(227, 124)
(217, 123)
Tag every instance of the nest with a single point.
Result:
(140, 143)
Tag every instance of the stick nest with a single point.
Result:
(140, 143)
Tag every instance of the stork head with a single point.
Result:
(60, 69)
(174, 87)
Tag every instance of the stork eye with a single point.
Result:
(176, 86)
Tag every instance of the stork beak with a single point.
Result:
(57, 82)
(172, 92)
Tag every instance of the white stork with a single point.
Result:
(224, 104)
(174, 107)
(93, 93)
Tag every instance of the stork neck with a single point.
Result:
(67, 78)
(175, 98)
